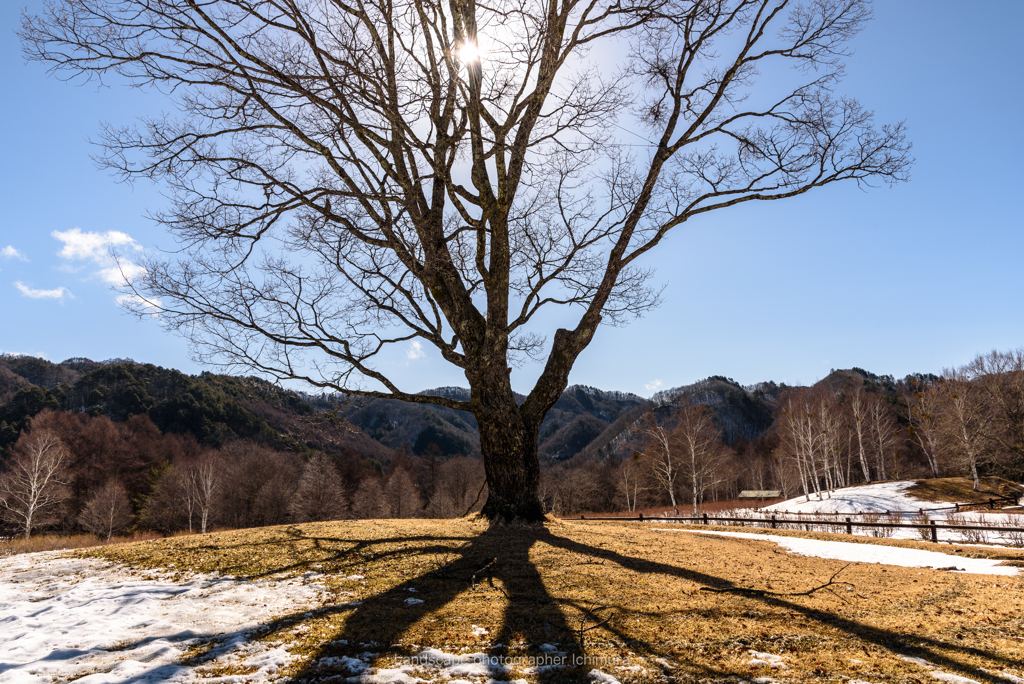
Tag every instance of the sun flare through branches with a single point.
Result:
(469, 52)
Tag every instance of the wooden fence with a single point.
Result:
(957, 507)
(774, 522)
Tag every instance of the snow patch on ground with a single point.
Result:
(599, 677)
(767, 660)
(432, 664)
(64, 618)
(396, 675)
(953, 679)
(873, 498)
(869, 553)
(892, 498)
(1008, 676)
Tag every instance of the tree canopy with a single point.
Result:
(347, 176)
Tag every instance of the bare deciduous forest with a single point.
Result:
(113, 446)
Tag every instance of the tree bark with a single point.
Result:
(509, 447)
(508, 442)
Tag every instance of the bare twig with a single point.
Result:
(472, 579)
(476, 499)
(763, 592)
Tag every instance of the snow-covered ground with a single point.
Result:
(880, 497)
(889, 502)
(869, 553)
(873, 498)
(93, 621)
(96, 622)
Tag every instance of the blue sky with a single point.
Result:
(914, 278)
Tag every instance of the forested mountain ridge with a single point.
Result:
(577, 418)
(214, 409)
(217, 409)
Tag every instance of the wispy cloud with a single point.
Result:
(96, 248)
(10, 252)
(139, 304)
(653, 386)
(415, 351)
(60, 293)
(121, 273)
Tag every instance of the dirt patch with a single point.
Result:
(639, 604)
(961, 489)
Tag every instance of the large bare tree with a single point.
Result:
(351, 175)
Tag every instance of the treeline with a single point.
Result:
(853, 427)
(118, 445)
(70, 472)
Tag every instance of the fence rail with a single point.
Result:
(775, 523)
(957, 507)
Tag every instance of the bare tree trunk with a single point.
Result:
(511, 464)
(883, 427)
(859, 415)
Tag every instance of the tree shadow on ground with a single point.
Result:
(500, 557)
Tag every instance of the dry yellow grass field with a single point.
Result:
(61, 542)
(637, 603)
(961, 489)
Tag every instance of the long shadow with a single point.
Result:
(336, 550)
(501, 555)
(880, 637)
(499, 558)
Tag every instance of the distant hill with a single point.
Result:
(397, 424)
(216, 409)
(580, 417)
(741, 412)
(577, 418)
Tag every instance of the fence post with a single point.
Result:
(991, 504)
(957, 507)
(935, 532)
(849, 526)
(641, 516)
(774, 524)
(582, 517)
(705, 518)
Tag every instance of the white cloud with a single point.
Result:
(9, 252)
(139, 304)
(92, 246)
(122, 274)
(653, 386)
(415, 351)
(59, 293)
(98, 249)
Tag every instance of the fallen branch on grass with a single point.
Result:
(583, 629)
(764, 592)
